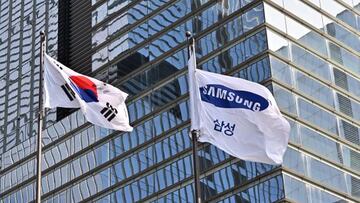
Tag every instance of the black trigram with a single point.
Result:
(68, 91)
(58, 65)
(109, 112)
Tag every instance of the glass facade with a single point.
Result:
(20, 24)
(307, 52)
(315, 62)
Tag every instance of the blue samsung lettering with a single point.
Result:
(224, 97)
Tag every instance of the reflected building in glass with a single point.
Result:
(307, 52)
(20, 24)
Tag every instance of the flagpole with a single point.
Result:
(40, 118)
(194, 137)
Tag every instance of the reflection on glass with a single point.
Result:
(99, 59)
(284, 99)
(256, 72)
(344, 57)
(314, 89)
(305, 12)
(343, 35)
(281, 71)
(310, 62)
(270, 190)
(317, 116)
(300, 191)
(333, 178)
(320, 144)
(274, 17)
(99, 14)
(277, 44)
(175, 36)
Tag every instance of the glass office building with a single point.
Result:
(20, 24)
(307, 52)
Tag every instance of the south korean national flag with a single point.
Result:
(102, 104)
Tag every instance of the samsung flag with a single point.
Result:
(238, 116)
(101, 103)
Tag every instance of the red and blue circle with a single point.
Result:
(85, 88)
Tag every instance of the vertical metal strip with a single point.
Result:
(40, 119)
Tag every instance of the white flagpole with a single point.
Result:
(194, 133)
(40, 118)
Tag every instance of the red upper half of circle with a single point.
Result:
(84, 83)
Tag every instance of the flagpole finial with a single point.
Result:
(188, 34)
(42, 35)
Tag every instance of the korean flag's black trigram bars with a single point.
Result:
(109, 112)
(68, 91)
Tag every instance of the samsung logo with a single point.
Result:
(225, 97)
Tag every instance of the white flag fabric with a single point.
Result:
(101, 103)
(238, 116)
(192, 85)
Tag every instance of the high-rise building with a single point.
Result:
(20, 25)
(307, 52)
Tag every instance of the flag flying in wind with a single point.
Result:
(101, 103)
(236, 115)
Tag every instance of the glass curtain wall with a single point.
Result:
(306, 52)
(20, 25)
(315, 62)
